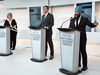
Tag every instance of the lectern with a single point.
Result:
(5, 41)
(38, 44)
(69, 44)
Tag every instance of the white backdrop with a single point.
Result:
(23, 19)
(64, 2)
(61, 14)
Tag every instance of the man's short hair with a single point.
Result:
(46, 6)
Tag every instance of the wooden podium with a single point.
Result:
(69, 44)
(38, 44)
(5, 41)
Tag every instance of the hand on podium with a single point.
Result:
(13, 27)
(10, 26)
(46, 27)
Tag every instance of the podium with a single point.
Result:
(38, 44)
(5, 41)
(69, 45)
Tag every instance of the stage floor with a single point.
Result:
(20, 64)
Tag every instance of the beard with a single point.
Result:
(77, 16)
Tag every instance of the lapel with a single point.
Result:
(46, 17)
(9, 23)
(73, 22)
(80, 21)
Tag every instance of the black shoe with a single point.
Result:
(46, 55)
(84, 69)
(13, 49)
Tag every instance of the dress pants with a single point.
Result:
(82, 52)
(13, 36)
(49, 41)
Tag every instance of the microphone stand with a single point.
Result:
(34, 21)
(65, 22)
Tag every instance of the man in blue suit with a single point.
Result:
(48, 22)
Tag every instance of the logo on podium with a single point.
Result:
(2, 34)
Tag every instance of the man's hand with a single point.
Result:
(10, 26)
(45, 27)
(96, 23)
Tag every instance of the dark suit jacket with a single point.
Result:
(12, 23)
(82, 25)
(49, 22)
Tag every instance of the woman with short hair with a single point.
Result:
(13, 30)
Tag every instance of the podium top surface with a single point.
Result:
(35, 27)
(2, 26)
(67, 29)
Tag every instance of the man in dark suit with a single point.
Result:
(79, 22)
(48, 22)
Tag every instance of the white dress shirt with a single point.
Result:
(78, 21)
(46, 14)
(10, 22)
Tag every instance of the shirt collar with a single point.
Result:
(78, 20)
(46, 14)
(10, 21)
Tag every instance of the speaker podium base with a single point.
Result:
(68, 72)
(36, 60)
(6, 54)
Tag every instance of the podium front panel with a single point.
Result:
(4, 40)
(69, 42)
(38, 43)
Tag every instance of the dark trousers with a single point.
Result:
(49, 41)
(83, 53)
(13, 36)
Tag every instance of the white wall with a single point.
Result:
(1, 4)
(3, 13)
(90, 37)
(22, 15)
(61, 14)
(65, 2)
(24, 22)
(24, 3)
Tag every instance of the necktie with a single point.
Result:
(44, 18)
(76, 22)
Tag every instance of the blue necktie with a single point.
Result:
(44, 18)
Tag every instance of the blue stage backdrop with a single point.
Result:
(35, 16)
(87, 12)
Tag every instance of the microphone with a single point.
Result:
(65, 22)
(35, 20)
